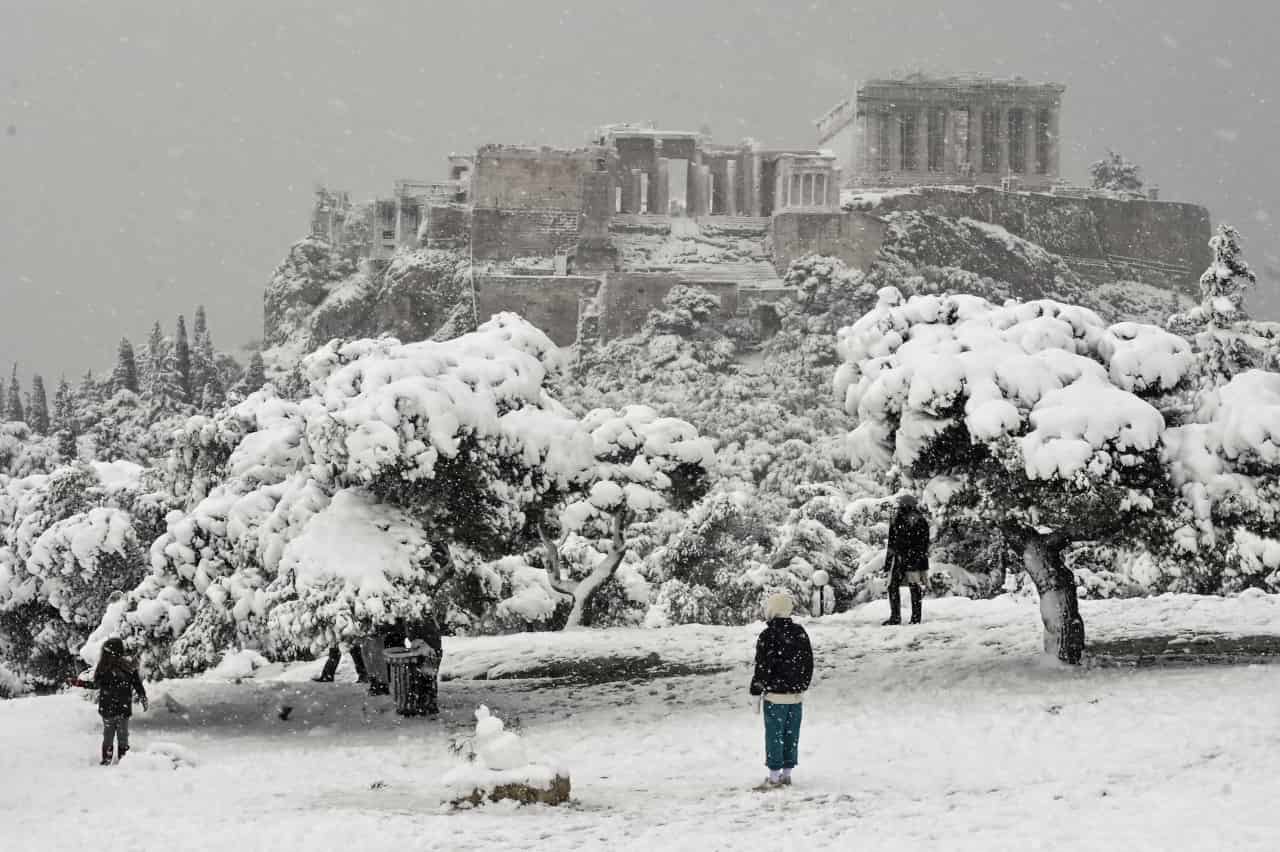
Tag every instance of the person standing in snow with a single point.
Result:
(116, 679)
(907, 559)
(335, 657)
(783, 671)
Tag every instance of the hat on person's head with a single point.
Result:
(114, 646)
(907, 500)
(778, 606)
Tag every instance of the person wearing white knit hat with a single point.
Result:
(783, 671)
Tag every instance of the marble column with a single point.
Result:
(950, 158)
(1002, 134)
(731, 188)
(922, 139)
(871, 143)
(1054, 147)
(661, 189)
(751, 186)
(702, 204)
(895, 141)
(658, 183)
(977, 143)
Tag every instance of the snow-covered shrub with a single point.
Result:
(68, 540)
(703, 571)
(11, 686)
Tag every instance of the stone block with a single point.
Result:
(555, 793)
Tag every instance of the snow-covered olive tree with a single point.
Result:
(641, 464)
(1029, 419)
(394, 485)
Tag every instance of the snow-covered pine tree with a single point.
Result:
(64, 422)
(3, 397)
(182, 360)
(255, 376)
(38, 412)
(125, 374)
(206, 383)
(64, 407)
(1113, 172)
(13, 404)
(1227, 342)
(163, 390)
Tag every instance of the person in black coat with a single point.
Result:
(907, 558)
(783, 671)
(116, 679)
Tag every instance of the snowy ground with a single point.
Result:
(952, 735)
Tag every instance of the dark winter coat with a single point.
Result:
(784, 659)
(116, 680)
(908, 541)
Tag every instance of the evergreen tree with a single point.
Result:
(204, 368)
(64, 407)
(163, 387)
(200, 328)
(13, 406)
(125, 375)
(1115, 173)
(182, 359)
(38, 411)
(67, 445)
(1224, 284)
(3, 414)
(255, 376)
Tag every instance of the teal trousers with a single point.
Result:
(782, 735)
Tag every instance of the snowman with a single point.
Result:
(497, 748)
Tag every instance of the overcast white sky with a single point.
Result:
(156, 154)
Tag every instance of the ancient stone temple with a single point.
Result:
(947, 130)
(681, 173)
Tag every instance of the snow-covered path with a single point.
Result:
(952, 735)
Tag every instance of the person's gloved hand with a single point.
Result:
(145, 705)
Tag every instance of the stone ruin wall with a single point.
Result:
(1162, 243)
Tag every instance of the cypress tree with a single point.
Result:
(163, 388)
(125, 374)
(13, 407)
(64, 407)
(182, 359)
(38, 411)
(255, 375)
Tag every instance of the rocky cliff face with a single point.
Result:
(320, 292)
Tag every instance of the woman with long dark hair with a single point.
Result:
(116, 679)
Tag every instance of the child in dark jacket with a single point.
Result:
(783, 671)
(116, 679)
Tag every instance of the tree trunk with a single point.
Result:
(1059, 608)
(588, 587)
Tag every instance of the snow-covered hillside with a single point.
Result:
(952, 735)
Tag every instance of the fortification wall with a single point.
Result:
(626, 299)
(530, 178)
(853, 237)
(507, 234)
(447, 226)
(1163, 243)
(552, 303)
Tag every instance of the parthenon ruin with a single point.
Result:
(947, 130)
